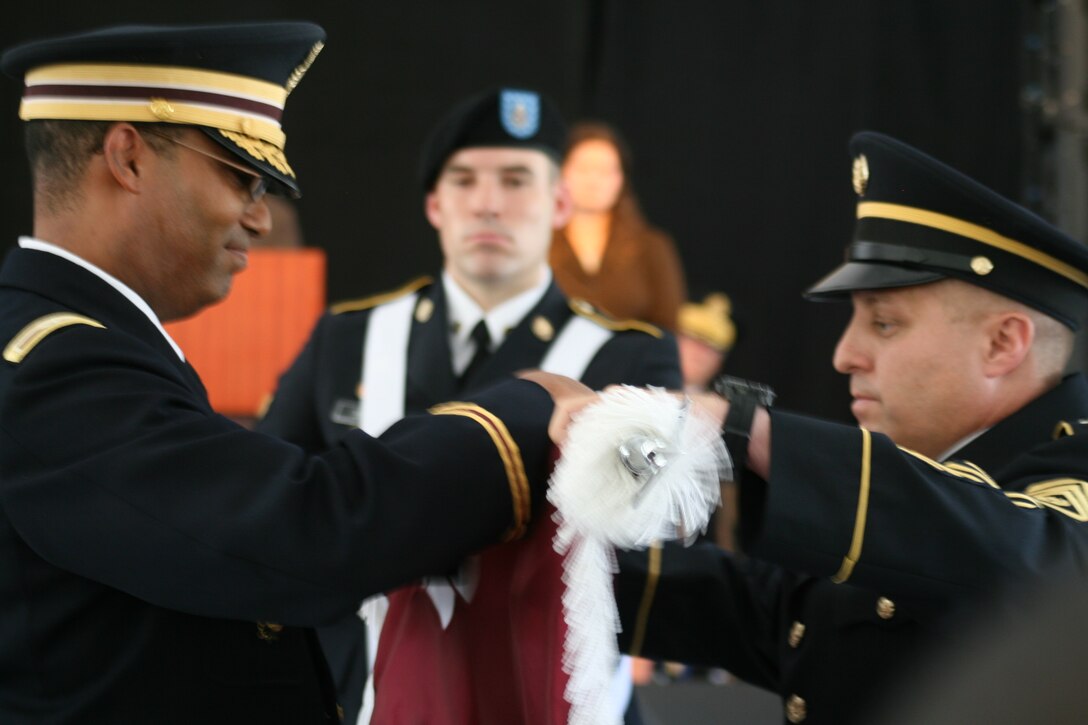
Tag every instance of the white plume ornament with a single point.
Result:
(639, 466)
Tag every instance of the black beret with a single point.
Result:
(501, 117)
(919, 220)
(230, 80)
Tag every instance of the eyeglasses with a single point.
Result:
(254, 183)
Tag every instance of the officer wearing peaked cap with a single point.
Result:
(968, 471)
(920, 221)
(491, 188)
(161, 564)
(230, 81)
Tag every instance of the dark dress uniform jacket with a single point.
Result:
(159, 564)
(913, 541)
(317, 400)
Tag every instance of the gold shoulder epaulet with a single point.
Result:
(588, 311)
(28, 337)
(374, 300)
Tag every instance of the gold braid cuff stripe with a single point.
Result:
(510, 455)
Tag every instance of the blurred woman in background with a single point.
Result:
(608, 253)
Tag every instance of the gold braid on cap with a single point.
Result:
(260, 150)
(296, 75)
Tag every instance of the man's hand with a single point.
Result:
(715, 406)
(759, 447)
(569, 396)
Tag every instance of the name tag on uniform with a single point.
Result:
(345, 412)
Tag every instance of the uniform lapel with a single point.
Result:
(71, 286)
(1032, 425)
(430, 378)
(527, 343)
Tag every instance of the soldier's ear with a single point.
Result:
(431, 209)
(125, 153)
(1010, 335)
(564, 205)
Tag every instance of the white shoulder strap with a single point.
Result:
(385, 364)
(574, 348)
(385, 367)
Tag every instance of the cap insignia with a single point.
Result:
(520, 113)
(860, 175)
(296, 75)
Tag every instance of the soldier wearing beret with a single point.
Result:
(159, 563)
(490, 178)
(968, 471)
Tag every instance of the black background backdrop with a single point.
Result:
(738, 112)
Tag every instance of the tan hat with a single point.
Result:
(709, 321)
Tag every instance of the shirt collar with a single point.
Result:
(464, 313)
(961, 444)
(125, 290)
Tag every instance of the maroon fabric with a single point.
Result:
(500, 659)
(177, 94)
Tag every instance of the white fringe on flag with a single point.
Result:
(638, 467)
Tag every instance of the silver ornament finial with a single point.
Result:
(643, 456)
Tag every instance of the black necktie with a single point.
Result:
(482, 338)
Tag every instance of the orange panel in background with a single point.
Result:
(241, 346)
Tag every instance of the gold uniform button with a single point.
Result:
(982, 266)
(796, 709)
(885, 608)
(542, 328)
(424, 310)
(797, 633)
(161, 109)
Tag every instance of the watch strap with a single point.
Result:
(743, 396)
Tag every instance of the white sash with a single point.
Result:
(385, 365)
(578, 342)
(385, 362)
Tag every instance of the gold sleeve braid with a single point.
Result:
(511, 458)
(862, 512)
(653, 573)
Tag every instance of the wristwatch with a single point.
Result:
(743, 396)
